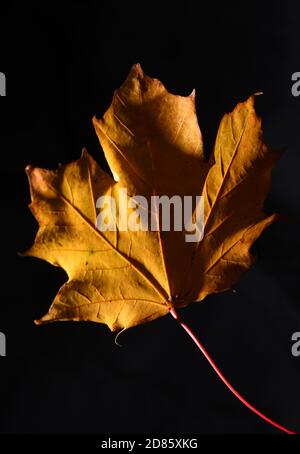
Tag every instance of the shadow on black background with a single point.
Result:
(62, 66)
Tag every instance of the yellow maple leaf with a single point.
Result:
(153, 145)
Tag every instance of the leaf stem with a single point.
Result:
(224, 380)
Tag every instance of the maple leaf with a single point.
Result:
(153, 145)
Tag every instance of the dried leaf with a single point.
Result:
(153, 145)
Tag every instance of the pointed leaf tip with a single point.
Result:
(84, 152)
(137, 69)
(252, 98)
(192, 94)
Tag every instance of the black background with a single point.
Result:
(62, 65)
